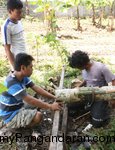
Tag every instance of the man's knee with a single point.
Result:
(38, 117)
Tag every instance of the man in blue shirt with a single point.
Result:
(12, 108)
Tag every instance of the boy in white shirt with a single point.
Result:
(12, 31)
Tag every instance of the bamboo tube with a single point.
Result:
(80, 93)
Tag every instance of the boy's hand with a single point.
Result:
(55, 106)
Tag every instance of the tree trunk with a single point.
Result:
(110, 23)
(93, 18)
(53, 21)
(78, 94)
(111, 19)
(78, 20)
(46, 20)
(27, 8)
(56, 122)
(101, 17)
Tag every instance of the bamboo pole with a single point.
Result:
(53, 144)
(77, 94)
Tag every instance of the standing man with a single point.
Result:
(12, 31)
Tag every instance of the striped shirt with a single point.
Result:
(11, 101)
(12, 34)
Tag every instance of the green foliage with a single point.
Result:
(102, 3)
(106, 61)
(55, 44)
(2, 88)
(41, 77)
(74, 2)
(108, 131)
(110, 2)
(49, 7)
(50, 37)
(71, 74)
(45, 5)
(1, 21)
(96, 3)
(2, 2)
(45, 67)
(4, 68)
(89, 3)
(101, 59)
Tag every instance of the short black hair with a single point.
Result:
(22, 59)
(78, 59)
(14, 4)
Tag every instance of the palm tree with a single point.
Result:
(92, 5)
(27, 7)
(75, 3)
(111, 4)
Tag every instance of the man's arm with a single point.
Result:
(38, 103)
(113, 82)
(6, 32)
(42, 92)
(9, 54)
(83, 84)
(108, 75)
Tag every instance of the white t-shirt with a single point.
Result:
(12, 33)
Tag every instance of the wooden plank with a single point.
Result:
(64, 119)
(62, 78)
(53, 144)
(64, 124)
(61, 145)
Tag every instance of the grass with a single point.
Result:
(107, 133)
